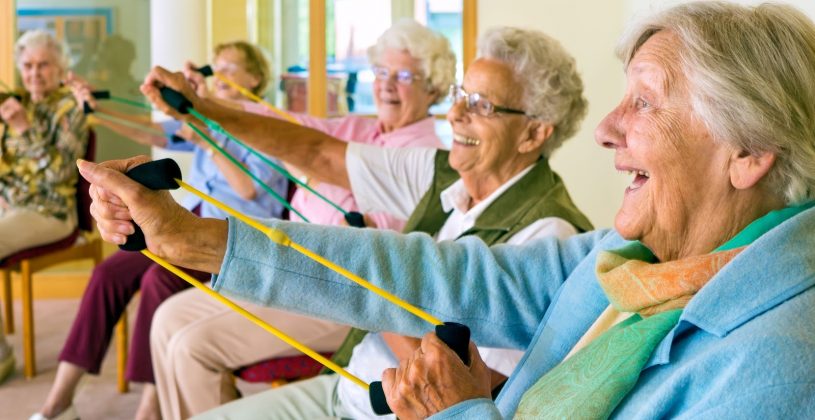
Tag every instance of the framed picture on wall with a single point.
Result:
(82, 29)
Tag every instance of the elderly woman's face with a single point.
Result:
(231, 62)
(488, 144)
(680, 174)
(40, 71)
(400, 104)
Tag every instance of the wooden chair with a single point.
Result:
(81, 244)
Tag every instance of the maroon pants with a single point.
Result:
(112, 285)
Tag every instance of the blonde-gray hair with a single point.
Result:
(42, 39)
(432, 49)
(751, 73)
(552, 87)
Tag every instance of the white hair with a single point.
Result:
(552, 87)
(432, 49)
(42, 39)
(751, 73)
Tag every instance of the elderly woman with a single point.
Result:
(414, 66)
(494, 184)
(116, 280)
(41, 134)
(699, 303)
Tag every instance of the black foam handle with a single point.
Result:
(205, 70)
(176, 100)
(455, 335)
(355, 219)
(97, 94)
(155, 175)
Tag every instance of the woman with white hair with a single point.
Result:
(42, 134)
(699, 304)
(414, 66)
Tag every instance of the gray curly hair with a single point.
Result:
(42, 39)
(552, 87)
(751, 72)
(430, 48)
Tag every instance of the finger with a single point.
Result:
(112, 179)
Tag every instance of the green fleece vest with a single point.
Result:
(537, 195)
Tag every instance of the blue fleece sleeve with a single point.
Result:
(501, 293)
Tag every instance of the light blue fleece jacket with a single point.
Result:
(744, 346)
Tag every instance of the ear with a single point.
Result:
(747, 170)
(536, 135)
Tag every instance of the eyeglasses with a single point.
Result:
(477, 104)
(403, 77)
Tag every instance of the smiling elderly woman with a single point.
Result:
(42, 133)
(699, 303)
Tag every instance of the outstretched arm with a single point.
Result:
(311, 150)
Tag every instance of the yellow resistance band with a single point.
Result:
(261, 323)
(281, 238)
(245, 92)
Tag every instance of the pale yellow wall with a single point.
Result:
(7, 42)
(226, 21)
(589, 33)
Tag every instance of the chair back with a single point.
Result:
(83, 196)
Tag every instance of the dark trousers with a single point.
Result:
(112, 285)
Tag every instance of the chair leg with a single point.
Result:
(121, 353)
(29, 361)
(8, 303)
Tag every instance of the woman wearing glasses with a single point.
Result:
(519, 101)
(197, 342)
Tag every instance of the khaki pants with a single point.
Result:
(196, 342)
(314, 398)
(22, 228)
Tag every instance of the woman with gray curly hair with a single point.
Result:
(42, 132)
(697, 305)
(495, 184)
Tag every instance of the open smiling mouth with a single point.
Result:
(467, 141)
(640, 178)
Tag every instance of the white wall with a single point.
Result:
(590, 34)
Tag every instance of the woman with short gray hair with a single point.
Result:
(431, 49)
(42, 134)
(553, 89)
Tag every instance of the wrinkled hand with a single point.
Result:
(117, 200)
(196, 79)
(433, 379)
(81, 89)
(13, 113)
(159, 77)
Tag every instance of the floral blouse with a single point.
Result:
(38, 167)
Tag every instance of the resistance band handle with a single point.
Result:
(455, 335)
(355, 219)
(176, 100)
(155, 175)
(205, 70)
(97, 94)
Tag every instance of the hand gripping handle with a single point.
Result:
(176, 100)
(456, 336)
(156, 175)
(205, 70)
(97, 94)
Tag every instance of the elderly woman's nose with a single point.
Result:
(457, 112)
(609, 132)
